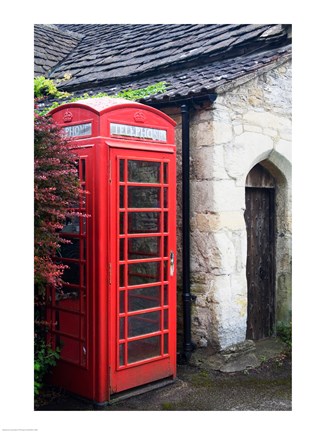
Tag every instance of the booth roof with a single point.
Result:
(191, 59)
(102, 103)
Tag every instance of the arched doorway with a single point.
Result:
(260, 267)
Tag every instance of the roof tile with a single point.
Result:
(191, 58)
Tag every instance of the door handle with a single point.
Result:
(171, 263)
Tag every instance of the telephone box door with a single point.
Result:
(142, 323)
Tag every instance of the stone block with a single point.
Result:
(238, 129)
(216, 196)
(239, 240)
(212, 252)
(202, 134)
(228, 196)
(232, 220)
(203, 198)
(207, 222)
(252, 128)
(271, 132)
(284, 147)
(253, 139)
(246, 147)
(232, 331)
(208, 163)
(267, 120)
(222, 132)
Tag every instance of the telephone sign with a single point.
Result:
(78, 130)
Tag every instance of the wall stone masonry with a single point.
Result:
(246, 125)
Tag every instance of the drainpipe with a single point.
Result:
(187, 297)
(188, 346)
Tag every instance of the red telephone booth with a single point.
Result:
(115, 317)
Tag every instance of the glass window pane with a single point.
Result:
(84, 248)
(84, 224)
(143, 247)
(122, 328)
(165, 197)
(83, 169)
(143, 222)
(83, 197)
(66, 293)
(70, 250)
(166, 344)
(144, 349)
(143, 273)
(144, 323)
(165, 270)
(122, 302)
(121, 223)
(122, 275)
(165, 319)
(165, 222)
(72, 225)
(166, 301)
(72, 274)
(165, 172)
(143, 171)
(122, 355)
(143, 298)
(166, 251)
(121, 197)
(121, 170)
(143, 197)
(83, 275)
(121, 249)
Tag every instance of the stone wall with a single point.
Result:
(246, 125)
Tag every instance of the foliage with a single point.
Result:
(56, 185)
(46, 87)
(45, 359)
(41, 91)
(284, 331)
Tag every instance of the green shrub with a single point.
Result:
(284, 331)
(45, 359)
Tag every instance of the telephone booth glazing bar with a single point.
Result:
(143, 260)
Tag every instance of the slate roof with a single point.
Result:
(192, 59)
(51, 45)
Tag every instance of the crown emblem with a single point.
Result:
(67, 116)
(139, 117)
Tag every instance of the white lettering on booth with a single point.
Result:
(78, 130)
(138, 132)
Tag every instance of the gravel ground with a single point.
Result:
(265, 388)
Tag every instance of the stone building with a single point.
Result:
(229, 87)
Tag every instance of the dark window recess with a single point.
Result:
(143, 247)
(72, 274)
(143, 197)
(144, 298)
(143, 273)
(143, 222)
(70, 250)
(143, 171)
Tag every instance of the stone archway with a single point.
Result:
(277, 175)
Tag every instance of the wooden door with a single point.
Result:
(259, 218)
